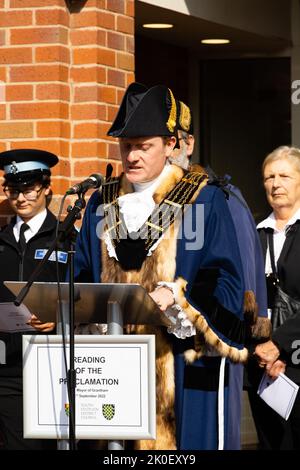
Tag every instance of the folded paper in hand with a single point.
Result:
(279, 394)
(14, 319)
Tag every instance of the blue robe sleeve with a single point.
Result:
(250, 248)
(255, 303)
(88, 253)
(210, 278)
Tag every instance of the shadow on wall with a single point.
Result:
(75, 6)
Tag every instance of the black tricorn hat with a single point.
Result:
(26, 166)
(184, 117)
(145, 112)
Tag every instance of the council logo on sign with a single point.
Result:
(108, 411)
(67, 409)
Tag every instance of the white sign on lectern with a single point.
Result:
(115, 387)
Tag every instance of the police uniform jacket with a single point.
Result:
(15, 267)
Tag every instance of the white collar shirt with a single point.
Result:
(34, 225)
(279, 237)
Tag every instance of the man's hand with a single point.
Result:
(39, 326)
(266, 354)
(163, 296)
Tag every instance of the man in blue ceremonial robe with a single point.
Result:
(168, 230)
(255, 298)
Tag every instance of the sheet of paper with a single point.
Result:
(13, 318)
(279, 394)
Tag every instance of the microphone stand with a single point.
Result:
(64, 230)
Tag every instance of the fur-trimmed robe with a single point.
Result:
(177, 259)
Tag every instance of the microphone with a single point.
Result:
(93, 181)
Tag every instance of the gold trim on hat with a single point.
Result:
(171, 122)
(185, 117)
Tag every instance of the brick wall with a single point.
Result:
(63, 72)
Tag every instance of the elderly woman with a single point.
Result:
(280, 237)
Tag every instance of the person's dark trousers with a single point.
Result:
(270, 427)
(295, 422)
(11, 419)
(275, 433)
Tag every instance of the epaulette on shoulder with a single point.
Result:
(223, 182)
(219, 181)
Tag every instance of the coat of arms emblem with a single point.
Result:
(67, 409)
(108, 411)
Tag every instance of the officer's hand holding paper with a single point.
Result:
(14, 319)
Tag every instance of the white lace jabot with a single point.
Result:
(136, 208)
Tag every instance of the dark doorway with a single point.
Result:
(244, 115)
(157, 62)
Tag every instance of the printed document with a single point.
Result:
(279, 394)
(13, 318)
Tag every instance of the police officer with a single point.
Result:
(23, 243)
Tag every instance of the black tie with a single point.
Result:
(22, 239)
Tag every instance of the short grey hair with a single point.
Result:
(284, 152)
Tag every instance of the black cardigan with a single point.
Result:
(287, 336)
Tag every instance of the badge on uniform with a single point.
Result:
(62, 255)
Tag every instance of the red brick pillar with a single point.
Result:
(62, 76)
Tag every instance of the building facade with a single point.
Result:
(64, 65)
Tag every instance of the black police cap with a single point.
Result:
(25, 166)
